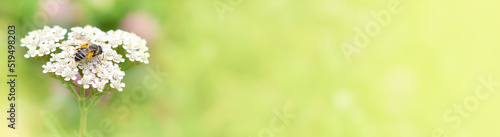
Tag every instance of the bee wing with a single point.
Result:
(80, 37)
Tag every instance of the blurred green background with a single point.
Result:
(271, 68)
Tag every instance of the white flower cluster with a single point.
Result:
(134, 45)
(43, 42)
(97, 71)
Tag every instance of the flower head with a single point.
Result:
(96, 71)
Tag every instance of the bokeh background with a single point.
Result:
(271, 68)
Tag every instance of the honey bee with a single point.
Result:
(87, 50)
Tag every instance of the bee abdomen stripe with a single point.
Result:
(79, 55)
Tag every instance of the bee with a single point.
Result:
(87, 50)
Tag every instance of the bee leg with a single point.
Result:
(99, 59)
(89, 56)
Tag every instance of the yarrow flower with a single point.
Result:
(89, 53)
(96, 72)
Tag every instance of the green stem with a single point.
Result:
(91, 94)
(83, 114)
(82, 95)
(83, 120)
(77, 86)
(94, 101)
